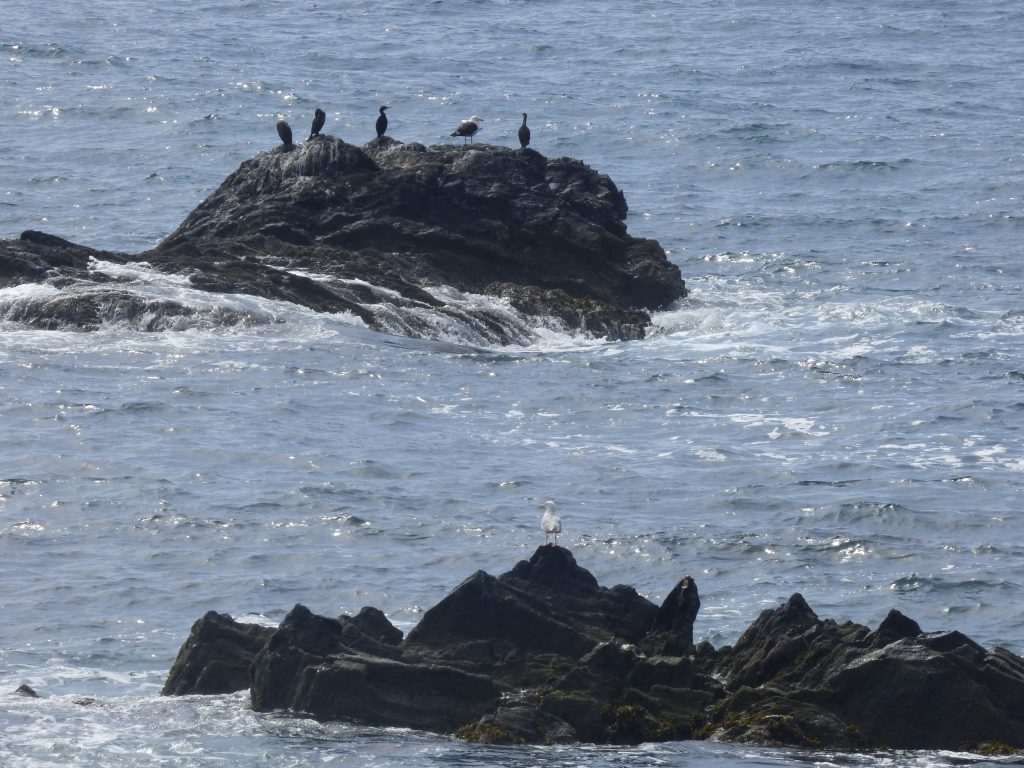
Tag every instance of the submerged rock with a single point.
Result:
(383, 232)
(544, 654)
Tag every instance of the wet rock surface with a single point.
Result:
(796, 679)
(544, 654)
(385, 232)
(217, 657)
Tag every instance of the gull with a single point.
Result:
(550, 523)
(467, 128)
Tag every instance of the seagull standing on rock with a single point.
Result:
(467, 128)
(550, 523)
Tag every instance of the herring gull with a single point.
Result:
(550, 523)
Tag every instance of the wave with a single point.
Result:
(41, 50)
(777, 309)
(138, 298)
(743, 312)
(869, 166)
(959, 587)
(88, 307)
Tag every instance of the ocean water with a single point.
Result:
(835, 410)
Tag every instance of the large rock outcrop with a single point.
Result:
(397, 234)
(794, 678)
(544, 654)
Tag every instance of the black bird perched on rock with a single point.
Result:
(285, 132)
(524, 134)
(319, 118)
(382, 122)
(468, 128)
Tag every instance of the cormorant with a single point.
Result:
(468, 128)
(285, 132)
(382, 122)
(524, 134)
(319, 118)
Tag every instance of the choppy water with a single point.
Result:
(834, 411)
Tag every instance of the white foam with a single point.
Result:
(733, 319)
(27, 292)
(464, 318)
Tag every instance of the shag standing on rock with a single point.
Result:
(382, 122)
(524, 134)
(468, 128)
(319, 118)
(285, 132)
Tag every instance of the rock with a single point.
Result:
(37, 256)
(799, 680)
(612, 696)
(614, 686)
(301, 640)
(75, 294)
(544, 654)
(480, 219)
(305, 667)
(768, 645)
(894, 627)
(386, 232)
(913, 694)
(520, 724)
(672, 631)
(216, 657)
(27, 691)
(763, 717)
(530, 623)
(369, 630)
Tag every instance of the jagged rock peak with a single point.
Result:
(554, 568)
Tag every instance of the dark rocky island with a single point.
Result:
(387, 232)
(544, 654)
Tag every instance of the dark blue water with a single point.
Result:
(835, 410)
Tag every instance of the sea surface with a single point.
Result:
(835, 410)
